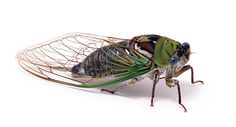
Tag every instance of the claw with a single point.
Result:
(199, 81)
(185, 110)
(109, 91)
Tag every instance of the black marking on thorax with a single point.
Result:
(145, 43)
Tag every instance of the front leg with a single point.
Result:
(185, 68)
(173, 82)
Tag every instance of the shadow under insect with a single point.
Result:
(143, 89)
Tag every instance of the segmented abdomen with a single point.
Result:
(103, 61)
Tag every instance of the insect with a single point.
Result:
(90, 61)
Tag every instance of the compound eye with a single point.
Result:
(174, 59)
(186, 46)
(180, 52)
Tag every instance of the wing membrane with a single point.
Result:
(98, 60)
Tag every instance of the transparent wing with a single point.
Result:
(78, 59)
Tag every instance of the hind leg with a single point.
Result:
(131, 82)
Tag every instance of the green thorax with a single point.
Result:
(164, 49)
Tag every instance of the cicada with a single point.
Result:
(92, 61)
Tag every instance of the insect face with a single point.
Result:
(181, 57)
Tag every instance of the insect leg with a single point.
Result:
(156, 79)
(132, 82)
(113, 91)
(179, 96)
(173, 82)
(185, 68)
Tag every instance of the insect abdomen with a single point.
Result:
(101, 62)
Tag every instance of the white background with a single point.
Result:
(209, 26)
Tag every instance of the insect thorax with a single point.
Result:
(165, 48)
(145, 44)
(155, 47)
